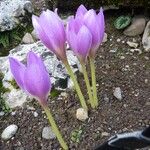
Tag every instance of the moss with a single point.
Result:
(10, 39)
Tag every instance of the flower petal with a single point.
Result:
(90, 20)
(84, 40)
(41, 33)
(17, 70)
(81, 10)
(36, 78)
(101, 24)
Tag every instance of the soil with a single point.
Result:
(131, 73)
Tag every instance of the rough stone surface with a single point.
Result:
(15, 97)
(136, 28)
(81, 114)
(56, 69)
(146, 37)
(27, 39)
(9, 132)
(12, 12)
(47, 133)
(117, 93)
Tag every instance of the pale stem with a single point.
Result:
(77, 87)
(55, 128)
(92, 66)
(87, 85)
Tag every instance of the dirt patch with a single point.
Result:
(122, 68)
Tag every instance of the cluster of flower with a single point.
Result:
(84, 33)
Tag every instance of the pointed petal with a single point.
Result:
(81, 10)
(36, 78)
(41, 33)
(90, 20)
(84, 40)
(17, 70)
(101, 24)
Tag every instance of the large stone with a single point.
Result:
(47, 133)
(12, 12)
(59, 77)
(9, 132)
(136, 28)
(146, 37)
(27, 39)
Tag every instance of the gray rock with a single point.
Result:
(136, 28)
(59, 77)
(118, 93)
(12, 12)
(146, 37)
(47, 133)
(9, 132)
(27, 39)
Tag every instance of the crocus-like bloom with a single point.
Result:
(51, 32)
(79, 38)
(93, 22)
(33, 78)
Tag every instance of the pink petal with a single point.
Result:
(84, 40)
(81, 10)
(17, 70)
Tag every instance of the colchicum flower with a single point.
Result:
(34, 80)
(85, 33)
(95, 24)
(51, 32)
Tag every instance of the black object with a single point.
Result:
(127, 141)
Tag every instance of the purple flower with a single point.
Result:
(33, 78)
(50, 29)
(79, 38)
(93, 22)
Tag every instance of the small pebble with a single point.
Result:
(81, 114)
(47, 133)
(118, 40)
(2, 113)
(117, 93)
(105, 134)
(13, 113)
(9, 132)
(35, 114)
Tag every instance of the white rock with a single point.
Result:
(105, 134)
(12, 12)
(137, 27)
(81, 114)
(136, 50)
(146, 37)
(27, 39)
(2, 113)
(105, 38)
(34, 35)
(47, 133)
(35, 114)
(15, 98)
(118, 93)
(56, 69)
(118, 40)
(9, 132)
(132, 44)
